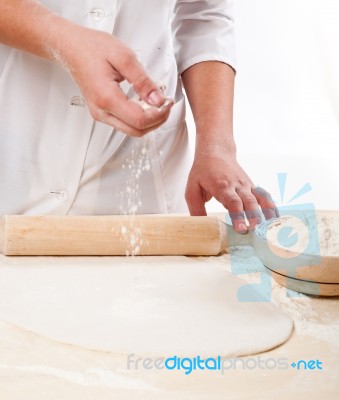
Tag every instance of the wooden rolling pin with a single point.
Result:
(111, 235)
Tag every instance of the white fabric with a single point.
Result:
(55, 159)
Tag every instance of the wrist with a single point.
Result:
(215, 147)
(59, 45)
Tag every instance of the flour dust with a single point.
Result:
(135, 166)
(316, 317)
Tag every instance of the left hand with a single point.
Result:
(224, 179)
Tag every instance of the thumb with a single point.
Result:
(143, 85)
(195, 201)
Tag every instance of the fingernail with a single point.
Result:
(242, 228)
(155, 98)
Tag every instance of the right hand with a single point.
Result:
(98, 62)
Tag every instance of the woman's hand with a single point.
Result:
(99, 62)
(224, 179)
(216, 172)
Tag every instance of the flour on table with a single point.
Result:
(310, 315)
(142, 305)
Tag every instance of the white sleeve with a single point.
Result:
(203, 30)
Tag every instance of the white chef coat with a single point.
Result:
(54, 159)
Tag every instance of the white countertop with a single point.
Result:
(34, 367)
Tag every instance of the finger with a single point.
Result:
(123, 127)
(143, 85)
(238, 221)
(266, 203)
(231, 200)
(251, 207)
(254, 218)
(195, 200)
(116, 103)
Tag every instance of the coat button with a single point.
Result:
(97, 14)
(61, 195)
(78, 101)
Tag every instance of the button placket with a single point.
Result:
(78, 101)
(97, 14)
(61, 195)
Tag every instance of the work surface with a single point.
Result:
(34, 367)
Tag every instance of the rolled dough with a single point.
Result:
(157, 306)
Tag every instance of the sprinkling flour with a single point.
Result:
(136, 165)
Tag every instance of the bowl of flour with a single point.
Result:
(303, 245)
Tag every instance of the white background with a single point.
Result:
(287, 97)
